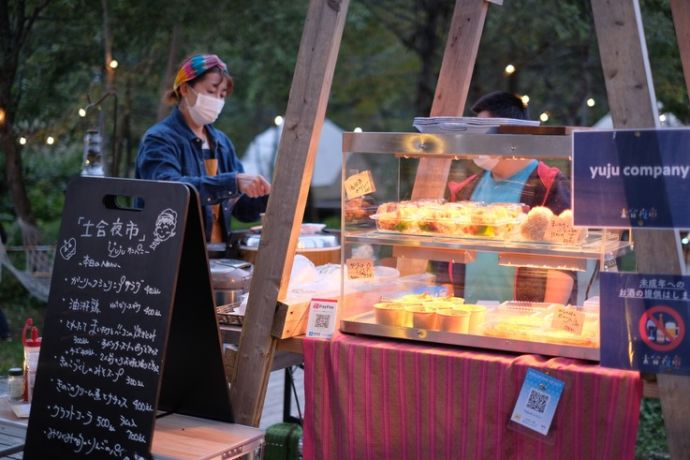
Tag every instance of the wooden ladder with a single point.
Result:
(633, 105)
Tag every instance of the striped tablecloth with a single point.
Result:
(383, 399)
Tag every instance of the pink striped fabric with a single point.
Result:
(383, 399)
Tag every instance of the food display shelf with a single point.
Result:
(365, 324)
(595, 245)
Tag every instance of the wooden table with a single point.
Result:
(176, 437)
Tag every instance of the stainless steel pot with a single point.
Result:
(230, 278)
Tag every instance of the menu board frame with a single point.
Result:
(130, 330)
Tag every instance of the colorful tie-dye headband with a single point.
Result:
(197, 65)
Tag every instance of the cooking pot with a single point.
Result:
(230, 278)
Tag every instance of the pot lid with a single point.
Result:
(230, 274)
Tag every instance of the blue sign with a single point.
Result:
(632, 178)
(644, 321)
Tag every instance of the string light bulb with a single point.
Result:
(82, 112)
(22, 140)
(357, 130)
(113, 64)
(591, 102)
(278, 120)
(50, 140)
(525, 99)
(544, 117)
(510, 69)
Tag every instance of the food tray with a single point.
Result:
(365, 324)
(444, 227)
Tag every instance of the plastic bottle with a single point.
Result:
(32, 348)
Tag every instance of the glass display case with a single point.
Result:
(450, 253)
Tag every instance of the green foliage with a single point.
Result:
(651, 435)
(17, 306)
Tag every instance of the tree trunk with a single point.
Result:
(170, 68)
(15, 176)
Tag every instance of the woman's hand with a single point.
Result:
(253, 186)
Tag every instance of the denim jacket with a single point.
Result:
(170, 151)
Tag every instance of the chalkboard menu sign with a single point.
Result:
(130, 329)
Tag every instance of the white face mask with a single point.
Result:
(485, 162)
(206, 108)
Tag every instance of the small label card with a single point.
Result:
(358, 269)
(359, 184)
(568, 319)
(322, 317)
(562, 231)
(537, 401)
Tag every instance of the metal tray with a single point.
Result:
(365, 324)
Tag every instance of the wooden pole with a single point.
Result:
(681, 22)
(306, 110)
(452, 88)
(632, 101)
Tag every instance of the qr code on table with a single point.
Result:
(322, 321)
(537, 401)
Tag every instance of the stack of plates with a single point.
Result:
(450, 125)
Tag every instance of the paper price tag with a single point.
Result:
(358, 269)
(568, 319)
(359, 184)
(562, 231)
(322, 317)
(537, 401)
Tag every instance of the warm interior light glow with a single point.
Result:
(22, 140)
(544, 117)
(510, 69)
(278, 120)
(114, 64)
(50, 140)
(2, 116)
(591, 102)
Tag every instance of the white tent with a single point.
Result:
(261, 154)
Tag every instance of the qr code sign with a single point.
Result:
(322, 321)
(537, 401)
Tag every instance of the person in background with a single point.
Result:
(185, 147)
(507, 180)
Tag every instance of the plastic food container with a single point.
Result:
(455, 220)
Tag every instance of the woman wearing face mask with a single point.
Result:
(185, 147)
(506, 180)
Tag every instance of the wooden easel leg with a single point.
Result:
(681, 22)
(304, 117)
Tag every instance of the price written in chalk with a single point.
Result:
(359, 184)
(358, 269)
(568, 319)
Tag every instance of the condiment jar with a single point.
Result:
(15, 383)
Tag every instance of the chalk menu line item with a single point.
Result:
(130, 328)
